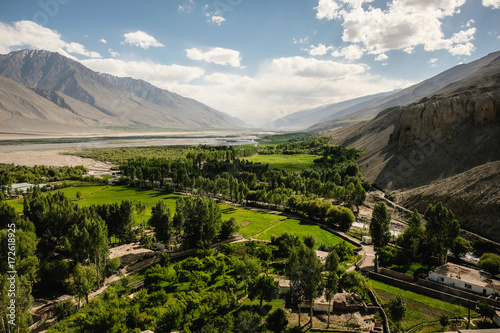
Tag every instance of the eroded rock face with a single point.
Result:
(438, 118)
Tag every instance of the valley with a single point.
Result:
(157, 212)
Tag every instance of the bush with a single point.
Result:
(64, 309)
(113, 265)
(277, 321)
(490, 262)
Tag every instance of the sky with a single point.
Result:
(259, 60)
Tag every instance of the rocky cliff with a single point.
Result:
(445, 147)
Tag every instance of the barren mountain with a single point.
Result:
(443, 139)
(54, 76)
(411, 94)
(304, 119)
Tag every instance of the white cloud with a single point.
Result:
(433, 60)
(32, 35)
(145, 70)
(141, 39)
(310, 67)
(492, 3)
(381, 57)
(216, 55)
(319, 50)
(113, 53)
(217, 19)
(103, 41)
(401, 25)
(351, 52)
(80, 49)
(327, 9)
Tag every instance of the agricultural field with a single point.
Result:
(295, 162)
(420, 308)
(255, 223)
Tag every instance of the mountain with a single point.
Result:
(101, 100)
(410, 94)
(164, 98)
(440, 148)
(304, 119)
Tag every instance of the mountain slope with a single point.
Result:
(440, 139)
(22, 110)
(304, 119)
(53, 72)
(413, 93)
(164, 98)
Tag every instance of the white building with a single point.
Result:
(24, 187)
(466, 279)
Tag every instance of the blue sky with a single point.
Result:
(260, 59)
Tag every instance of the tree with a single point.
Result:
(490, 262)
(246, 322)
(304, 270)
(486, 310)
(444, 321)
(228, 228)
(201, 218)
(441, 230)
(309, 240)
(331, 286)
(397, 309)
(140, 208)
(160, 221)
(379, 226)
(84, 278)
(264, 287)
(460, 247)
(413, 235)
(277, 321)
(126, 221)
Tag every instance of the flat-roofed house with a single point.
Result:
(466, 278)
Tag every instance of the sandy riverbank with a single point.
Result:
(52, 157)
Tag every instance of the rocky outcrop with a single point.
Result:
(439, 119)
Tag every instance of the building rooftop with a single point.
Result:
(469, 275)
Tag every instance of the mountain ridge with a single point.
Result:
(59, 78)
(433, 144)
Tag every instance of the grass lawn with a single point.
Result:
(255, 224)
(301, 229)
(420, 308)
(297, 162)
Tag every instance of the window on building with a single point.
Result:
(468, 286)
(442, 279)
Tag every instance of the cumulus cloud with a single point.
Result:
(351, 52)
(319, 50)
(327, 9)
(216, 55)
(145, 70)
(103, 41)
(285, 85)
(495, 4)
(32, 35)
(381, 57)
(217, 19)
(401, 25)
(141, 39)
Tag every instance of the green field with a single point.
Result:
(420, 308)
(296, 162)
(255, 224)
(301, 229)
